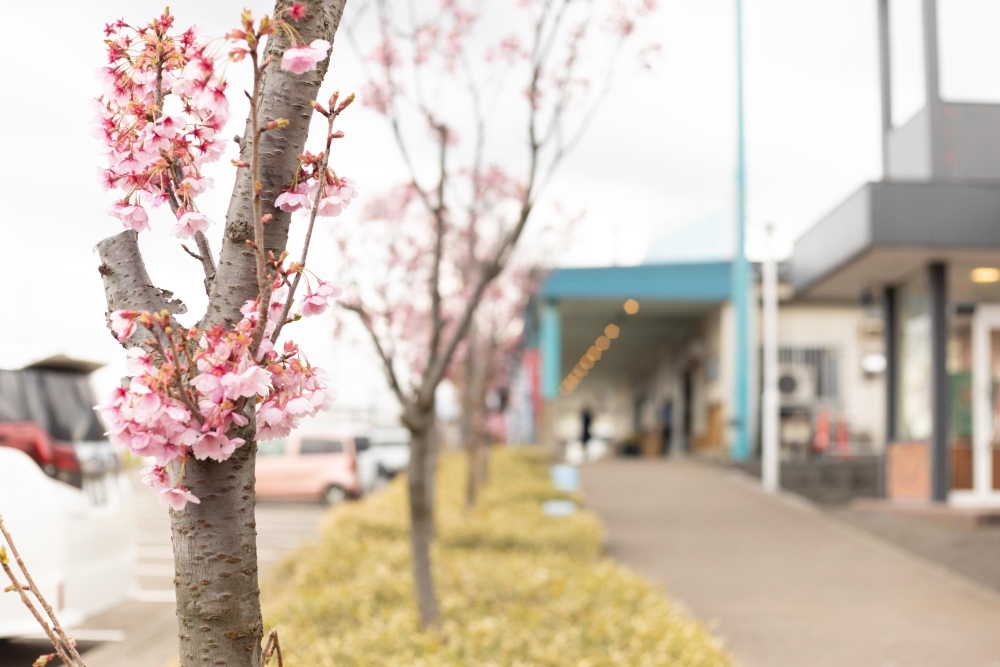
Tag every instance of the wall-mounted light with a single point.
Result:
(985, 274)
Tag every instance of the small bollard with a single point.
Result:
(565, 478)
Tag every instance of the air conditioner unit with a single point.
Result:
(796, 385)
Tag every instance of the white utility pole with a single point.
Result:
(770, 456)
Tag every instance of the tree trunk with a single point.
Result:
(215, 553)
(420, 484)
(484, 464)
(215, 556)
(472, 478)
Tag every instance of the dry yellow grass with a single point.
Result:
(517, 588)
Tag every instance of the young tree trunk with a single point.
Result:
(215, 556)
(473, 473)
(420, 484)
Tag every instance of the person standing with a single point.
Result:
(587, 418)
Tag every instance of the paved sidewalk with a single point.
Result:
(783, 584)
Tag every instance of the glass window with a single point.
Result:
(321, 446)
(271, 448)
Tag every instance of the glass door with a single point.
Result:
(985, 410)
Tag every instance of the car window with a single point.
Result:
(321, 446)
(271, 448)
(362, 443)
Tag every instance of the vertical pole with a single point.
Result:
(932, 87)
(740, 447)
(937, 283)
(551, 350)
(891, 344)
(770, 459)
(885, 80)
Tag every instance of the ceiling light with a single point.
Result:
(578, 373)
(602, 343)
(594, 352)
(631, 307)
(985, 274)
(587, 363)
(612, 331)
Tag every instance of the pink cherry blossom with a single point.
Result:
(133, 217)
(301, 59)
(330, 207)
(123, 324)
(178, 497)
(315, 303)
(293, 200)
(156, 476)
(254, 381)
(215, 446)
(189, 224)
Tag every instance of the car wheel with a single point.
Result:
(334, 496)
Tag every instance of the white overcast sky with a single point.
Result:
(659, 157)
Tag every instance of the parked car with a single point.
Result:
(63, 497)
(382, 454)
(308, 466)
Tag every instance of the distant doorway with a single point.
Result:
(985, 411)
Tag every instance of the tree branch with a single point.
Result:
(283, 95)
(127, 285)
(390, 369)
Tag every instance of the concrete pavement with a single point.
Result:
(782, 583)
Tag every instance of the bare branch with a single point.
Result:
(56, 634)
(390, 368)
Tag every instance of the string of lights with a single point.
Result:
(594, 353)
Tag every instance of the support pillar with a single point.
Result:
(550, 342)
(937, 287)
(891, 345)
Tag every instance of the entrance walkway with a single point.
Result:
(783, 584)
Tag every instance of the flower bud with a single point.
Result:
(319, 107)
(346, 103)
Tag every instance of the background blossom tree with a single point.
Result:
(201, 395)
(450, 89)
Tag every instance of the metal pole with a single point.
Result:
(740, 448)
(770, 459)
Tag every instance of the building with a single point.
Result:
(925, 242)
(649, 351)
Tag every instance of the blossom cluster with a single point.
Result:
(187, 395)
(159, 120)
(164, 107)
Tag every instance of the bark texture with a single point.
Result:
(420, 485)
(214, 543)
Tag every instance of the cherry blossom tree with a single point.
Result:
(201, 395)
(484, 363)
(459, 98)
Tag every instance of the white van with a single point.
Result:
(63, 497)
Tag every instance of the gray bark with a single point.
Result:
(215, 553)
(420, 487)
